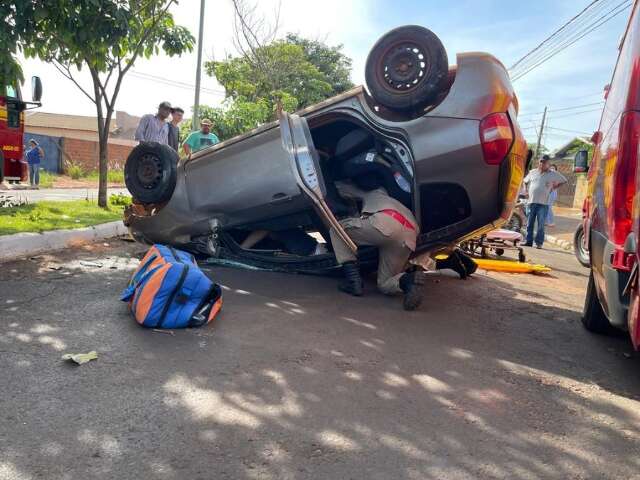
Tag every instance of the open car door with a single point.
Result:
(297, 141)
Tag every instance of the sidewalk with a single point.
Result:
(566, 222)
(62, 194)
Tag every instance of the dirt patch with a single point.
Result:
(64, 181)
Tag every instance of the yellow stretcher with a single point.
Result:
(510, 266)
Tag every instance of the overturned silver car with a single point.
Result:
(448, 139)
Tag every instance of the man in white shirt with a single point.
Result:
(154, 128)
(540, 182)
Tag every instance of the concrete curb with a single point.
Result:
(558, 242)
(25, 244)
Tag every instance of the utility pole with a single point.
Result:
(544, 117)
(195, 122)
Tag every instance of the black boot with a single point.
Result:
(455, 263)
(469, 265)
(352, 283)
(411, 285)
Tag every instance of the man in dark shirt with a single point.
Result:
(174, 127)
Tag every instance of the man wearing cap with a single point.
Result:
(203, 138)
(35, 155)
(154, 128)
(540, 182)
(174, 127)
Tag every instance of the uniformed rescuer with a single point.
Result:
(385, 223)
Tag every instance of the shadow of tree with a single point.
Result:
(296, 381)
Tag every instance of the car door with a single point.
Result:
(244, 180)
(297, 140)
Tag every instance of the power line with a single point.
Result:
(175, 83)
(573, 107)
(539, 46)
(577, 113)
(569, 131)
(577, 25)
(611, 14)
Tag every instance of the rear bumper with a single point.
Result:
(616, 305)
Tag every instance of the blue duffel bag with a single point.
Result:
(168, 290)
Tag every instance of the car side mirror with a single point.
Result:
(527, 163)
(581, 161)
(36, 89)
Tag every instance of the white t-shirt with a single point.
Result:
(539, 184)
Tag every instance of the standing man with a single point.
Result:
(540, 183)
(35, 155)
(154, 128)
(203, 138)
(174, 128)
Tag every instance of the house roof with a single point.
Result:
(63, 121)
(562, 151)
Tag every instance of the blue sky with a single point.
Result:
(507, 29)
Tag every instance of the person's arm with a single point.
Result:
(41, 151)
(561, 180)
(142, 129)
(186, 146)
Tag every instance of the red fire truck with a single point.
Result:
(12, 109)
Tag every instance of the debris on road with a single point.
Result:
(167, 332)
(81, 358)
(86, 263)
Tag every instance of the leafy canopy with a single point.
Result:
(294, 72)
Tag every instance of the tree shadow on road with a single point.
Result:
(296, 381)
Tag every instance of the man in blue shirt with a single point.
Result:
(200, 139)
(34, 156)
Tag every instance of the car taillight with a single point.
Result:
(624, 187)
(496, 136)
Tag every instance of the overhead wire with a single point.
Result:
(550, 110)
(611, 14)
(175, 83)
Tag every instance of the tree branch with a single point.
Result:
(64, 70)
(144, 38)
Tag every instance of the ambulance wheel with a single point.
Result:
(406, 68)
(499, 252)
(150, 172)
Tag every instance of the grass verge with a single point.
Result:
(47, 215)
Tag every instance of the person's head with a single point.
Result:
(544, 163)
(176, 115)
(553, 167)
(33, 143)
(164, 109)
(205, 125)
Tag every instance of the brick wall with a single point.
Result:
(85, 153)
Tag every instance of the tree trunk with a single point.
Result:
(103, 168)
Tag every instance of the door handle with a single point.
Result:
(280, 198)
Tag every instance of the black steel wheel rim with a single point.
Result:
(149, 171)
(402, 67)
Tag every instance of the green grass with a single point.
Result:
(44, 216)
(113, 176)
(47, 179)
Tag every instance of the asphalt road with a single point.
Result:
(61, 194)
(493, 378)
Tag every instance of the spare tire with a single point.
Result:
(407, 68)
(150, 172)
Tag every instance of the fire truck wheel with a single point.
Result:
(150, 172)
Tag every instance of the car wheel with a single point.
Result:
(579, 248)
(593, 317)
(406, 68)
(150, 172)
